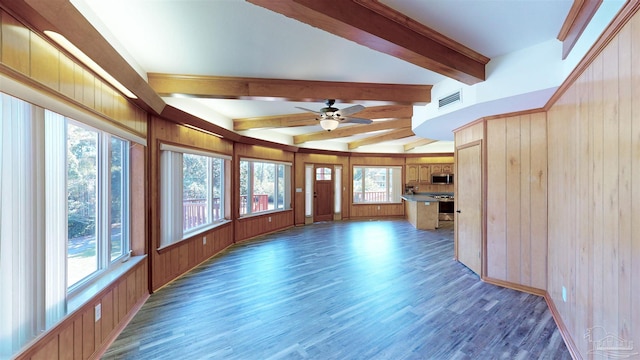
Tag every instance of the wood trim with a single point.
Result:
(383, 29)
(566, 336)
(222, 87)
(514, 286)
(629, 9)
(468, 125)
(581, 13)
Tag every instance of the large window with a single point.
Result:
(97, 201)
(377, 184)
(264, 186)
(65, 215)
(192, 197)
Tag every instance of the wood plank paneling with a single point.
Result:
(496, 202)
(15, 44)
(516, 199)
(594, 237)
(33, 56)
(172, 262)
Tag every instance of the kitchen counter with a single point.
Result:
(421, 211)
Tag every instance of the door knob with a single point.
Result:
(458, 211)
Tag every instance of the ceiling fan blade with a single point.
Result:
(351, 110)
(357, 120)
(309, 110)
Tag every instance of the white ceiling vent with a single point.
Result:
(449, 99)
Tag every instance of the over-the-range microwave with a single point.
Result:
(442, 178)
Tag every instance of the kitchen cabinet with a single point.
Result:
(424, 173)
(412, 174)
(436, 169)
(447, 168)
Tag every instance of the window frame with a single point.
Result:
(286, 195)
(171, 192)
(103, 210)
(390, 184)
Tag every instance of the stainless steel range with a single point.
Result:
(446, 205)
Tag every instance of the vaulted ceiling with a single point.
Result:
(247, 65)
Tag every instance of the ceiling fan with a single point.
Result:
(330, 117)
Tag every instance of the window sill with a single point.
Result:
(191, 235)
(270, 212)
(85, 295)
(378, 203)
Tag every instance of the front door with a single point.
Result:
(323, 193)
(469, 207)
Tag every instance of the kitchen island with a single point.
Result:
(421, 211)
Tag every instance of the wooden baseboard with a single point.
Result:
(566, 336)
(115, 332)
(514, 286)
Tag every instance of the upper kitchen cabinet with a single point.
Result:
(424, 173)
(412, 174)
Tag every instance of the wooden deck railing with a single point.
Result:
(195, 210)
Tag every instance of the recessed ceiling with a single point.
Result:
(238, 39)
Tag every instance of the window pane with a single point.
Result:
(119, 204)
(263, 186)
(279, 200)
(82, 182)
(218, 187)
(195, 191)
(358, 186)
(244, 187)
(377, 184)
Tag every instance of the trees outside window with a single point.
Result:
(377, 184)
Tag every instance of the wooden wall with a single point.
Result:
(302, 159)
(30, 58)
(79, 336)
(516, 199)
(173, 261)
(374, 210)
(254, 225)
(594, 198)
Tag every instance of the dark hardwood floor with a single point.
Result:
(340, 290)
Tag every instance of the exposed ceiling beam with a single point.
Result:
(62, 17)
(388, 136)
(580, 14)
(381, 28)
(275, 121)
(219, 87)
(415, 144)
(306, 119)
(352, 130)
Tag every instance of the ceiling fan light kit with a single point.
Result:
(330, 117)
(329, 124)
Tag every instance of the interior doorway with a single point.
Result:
(323, 195)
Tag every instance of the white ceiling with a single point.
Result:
(236, 38)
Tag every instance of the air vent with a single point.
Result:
(449, 99)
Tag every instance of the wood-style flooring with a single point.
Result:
(340, 290)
